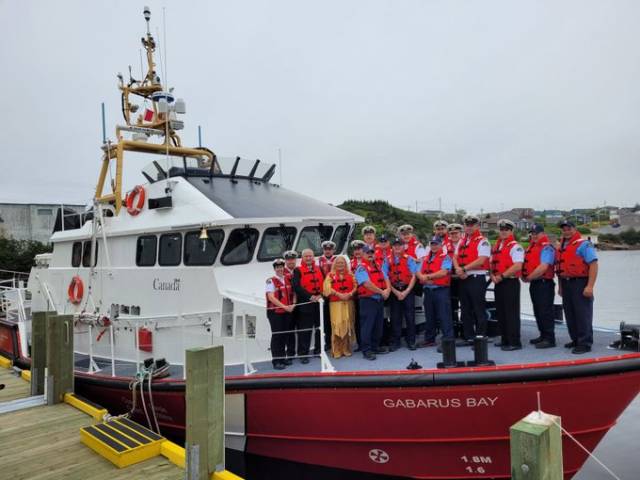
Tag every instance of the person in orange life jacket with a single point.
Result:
(435, 277)
(369, 235)
(325, 262)
(412, 246)
(507, 257)
(357, 259)
(402, 277)
(440, 228)
(290, 261)
(339, 288)
(280, 305)
(577, 270)
(328, 256)
(454, 231)
(472, 266)
(537, 271)
(383, 249)
(373, 289)
(307, 284)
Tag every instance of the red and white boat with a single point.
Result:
(181, 261)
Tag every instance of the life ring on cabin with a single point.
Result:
(133, 207)
(76, 290)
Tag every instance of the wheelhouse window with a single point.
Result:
(170, 249)
(86, 254)
(240, 246)
(76, 254)
(276, 241)
(340, 237)
(202, 252)
(312, 237)
(146, 249)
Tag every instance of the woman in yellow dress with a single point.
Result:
(339, 287)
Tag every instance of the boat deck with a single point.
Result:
(427, 358)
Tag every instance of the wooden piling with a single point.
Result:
(38, 351)
(536, 448)
(59, 357)
(204, 412)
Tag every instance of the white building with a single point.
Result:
(30, 221)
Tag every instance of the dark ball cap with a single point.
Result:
(536, 228)
(567, 223)
(383, 238)
(397, 241)
(367, 249)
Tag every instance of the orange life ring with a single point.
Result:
(76, 290)
(133, 207)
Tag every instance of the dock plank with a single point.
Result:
(43, 443)
(14, 386)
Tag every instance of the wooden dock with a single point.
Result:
(44, 443)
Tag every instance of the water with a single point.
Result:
(616, 300)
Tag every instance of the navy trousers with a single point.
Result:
(578, 310)
(308, 316)
(507, 295)
(371, 320)
(279, 323)
(473, 305)
(542, 292)
(437, 311)
(403, 309)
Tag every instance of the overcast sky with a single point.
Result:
(484, 104)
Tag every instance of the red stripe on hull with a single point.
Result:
(420, 432)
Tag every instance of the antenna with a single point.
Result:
(104, 128)
(199, 136)
(164, 48)
(280, 164)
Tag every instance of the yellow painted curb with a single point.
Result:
(97, 413)
(225, 475)
(5, 362)
(26, 375)
(174, 453)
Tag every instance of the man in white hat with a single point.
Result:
(412, 246)
(325, 261)
(507, 257)
(472, 267)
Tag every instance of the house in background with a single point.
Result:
(30, 221)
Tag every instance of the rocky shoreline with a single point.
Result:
(608, 246)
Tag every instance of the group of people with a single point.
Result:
(451, 273)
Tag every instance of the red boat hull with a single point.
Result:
(454, 431)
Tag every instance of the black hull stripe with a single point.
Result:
(433, 379)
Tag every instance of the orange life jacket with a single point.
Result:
(399, 273)
(376, 276)
(432, 263)
(569, 264)
(283, 292)
(355, 263)
(310, 279)
(410, 246)
(325, 264)
(341, 283)
(501, 255)
(532, 258)
(382, 254)
(468, 250)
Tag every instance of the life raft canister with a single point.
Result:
(135, 207)
(76, 290)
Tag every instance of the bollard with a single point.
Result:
(480, 353)
(536, 448)
(448, 354)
